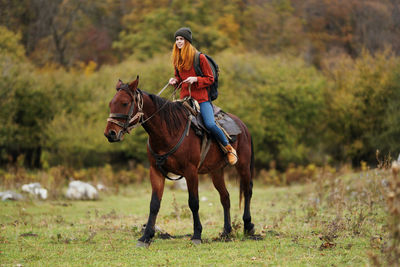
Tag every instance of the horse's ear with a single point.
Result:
(119, 83)
(133, 85)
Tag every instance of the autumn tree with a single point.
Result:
(362, 107)
(25, 109)
(334, 27)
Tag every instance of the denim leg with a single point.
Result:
(207, 114)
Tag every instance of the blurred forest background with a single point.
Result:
(316, 81)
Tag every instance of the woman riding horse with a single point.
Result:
(175, 146)
(183, 54)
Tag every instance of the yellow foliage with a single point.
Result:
(293, 174)
(364, 166)
(10, 44)
(90, 68)
(230, 27)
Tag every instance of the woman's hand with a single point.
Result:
(190, 80)
(173, 81)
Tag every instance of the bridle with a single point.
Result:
(137, 100)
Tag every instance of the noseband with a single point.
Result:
(137, 98)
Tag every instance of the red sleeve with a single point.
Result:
(207, 79)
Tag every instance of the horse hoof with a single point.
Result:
(141, 244)
(196, 241)
(250, 232)
(225, 235)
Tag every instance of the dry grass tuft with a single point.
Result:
(392, 250)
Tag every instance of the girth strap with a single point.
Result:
(161, 159)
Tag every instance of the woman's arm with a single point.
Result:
(175, 80)
(207, 79)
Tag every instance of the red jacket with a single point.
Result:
(199, 88)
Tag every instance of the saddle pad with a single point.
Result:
(222, 118)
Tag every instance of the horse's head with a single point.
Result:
(125, 110)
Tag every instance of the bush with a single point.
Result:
(26, 109)
(281, 101)
(362, 108)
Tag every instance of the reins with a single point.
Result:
(161, 159)
(162, 107)
(138, 98)
(126, 126)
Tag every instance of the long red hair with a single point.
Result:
(183, 58)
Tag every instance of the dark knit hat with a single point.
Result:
(185, 33)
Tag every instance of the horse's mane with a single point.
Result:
(171, 113)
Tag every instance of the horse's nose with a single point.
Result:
(111, 136)
(112, 133)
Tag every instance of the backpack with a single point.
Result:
(213, 89)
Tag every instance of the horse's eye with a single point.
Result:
(125, 104)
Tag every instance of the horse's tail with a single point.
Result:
(251, 174)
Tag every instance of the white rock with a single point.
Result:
(101, 187)
(81, 191)
(35, 189)
(10, 195)
(29, 187)
(42, 192)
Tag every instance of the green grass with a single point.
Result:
(104, 232)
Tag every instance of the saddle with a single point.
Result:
(222, 120)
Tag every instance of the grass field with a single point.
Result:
(336, 221)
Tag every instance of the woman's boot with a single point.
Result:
(232, 156)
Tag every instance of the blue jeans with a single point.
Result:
(207, 114)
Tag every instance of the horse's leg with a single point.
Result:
(246, 188)
(192, 181)
(157, 184)
(248, 225)
(219, 183)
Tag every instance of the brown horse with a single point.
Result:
(179, 149)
